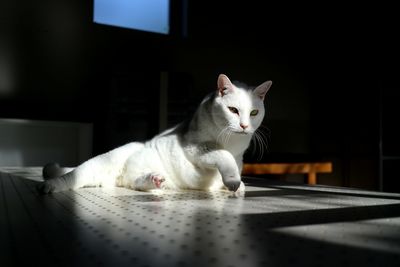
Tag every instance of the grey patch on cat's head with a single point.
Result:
(243, 85)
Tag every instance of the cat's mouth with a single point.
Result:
(241, 132)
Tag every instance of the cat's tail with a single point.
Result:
(102, 170)
(54, 177)
(54, 170)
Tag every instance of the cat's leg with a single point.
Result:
(223, 161)
(89, 174)
(147, 182)
(102, 170)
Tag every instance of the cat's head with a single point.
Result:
(239, 110)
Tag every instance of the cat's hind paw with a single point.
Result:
(157, 180)
(149, 181)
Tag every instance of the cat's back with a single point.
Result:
(167, 143)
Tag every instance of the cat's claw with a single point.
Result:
(157, 180)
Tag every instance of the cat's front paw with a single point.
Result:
(232, 184)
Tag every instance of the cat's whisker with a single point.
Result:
(261, 145)
(227, 136)
(265, 145)
(258, 144)
(264, 138)
(220, 136)
(254, 144)
(265, 130)
(261, 139)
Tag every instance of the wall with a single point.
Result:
(36, 143)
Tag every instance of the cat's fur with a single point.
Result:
(203, 153)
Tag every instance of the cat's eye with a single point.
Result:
(254, 112)
(234, 110)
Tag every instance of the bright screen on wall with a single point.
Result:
(144, 15)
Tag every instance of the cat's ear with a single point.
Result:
(224, 85)
(262, 89)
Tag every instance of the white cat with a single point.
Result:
(204, 153)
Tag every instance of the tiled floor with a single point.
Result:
(275, 224)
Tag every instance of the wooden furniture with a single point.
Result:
(309, 168)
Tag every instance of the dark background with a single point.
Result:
(334, 67)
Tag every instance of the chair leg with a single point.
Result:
(312, 178)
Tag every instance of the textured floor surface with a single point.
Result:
(275, 224)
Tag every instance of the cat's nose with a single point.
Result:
(243, 126)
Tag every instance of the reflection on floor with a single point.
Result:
(275, 224)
